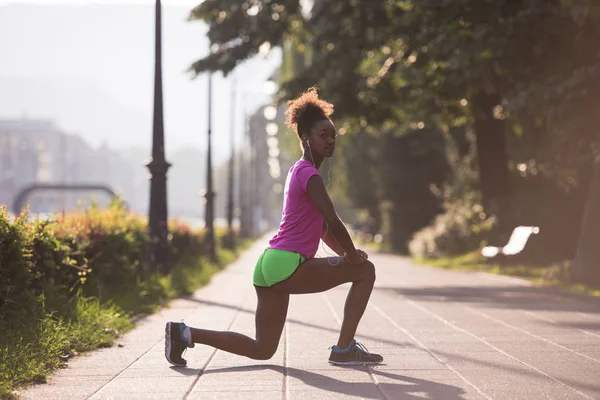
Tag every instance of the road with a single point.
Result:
(445, 335)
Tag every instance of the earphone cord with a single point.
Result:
(326, 226)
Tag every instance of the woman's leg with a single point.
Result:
(321, 274)
(271, 312)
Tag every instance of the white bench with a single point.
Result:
(516, 243)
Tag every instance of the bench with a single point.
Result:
(516, 243)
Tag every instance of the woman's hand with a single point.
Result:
(355, 259)
(362, 254)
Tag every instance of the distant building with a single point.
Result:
(28, 154)
(37, 151)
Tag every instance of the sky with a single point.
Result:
(88, 65)
(190, 3)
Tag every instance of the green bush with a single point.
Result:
(462, 228)
(71, 283)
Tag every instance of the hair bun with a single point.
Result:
(306, 109)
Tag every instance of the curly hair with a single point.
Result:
(307, 109)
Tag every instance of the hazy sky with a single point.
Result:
(89, 66)
(190, 3)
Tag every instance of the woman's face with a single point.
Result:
(322, 138)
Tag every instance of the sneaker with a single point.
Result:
(357, 354)
(175, 344)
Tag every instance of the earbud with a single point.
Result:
(310, 152)
(305, 141)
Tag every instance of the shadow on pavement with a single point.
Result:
(531, 374)
(523, 297)
(307, 324)
(406, 388)
(586, 326)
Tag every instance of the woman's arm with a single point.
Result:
(318, 194)
(330, 240)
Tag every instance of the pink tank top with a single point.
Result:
(301, 221)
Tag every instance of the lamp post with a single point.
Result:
(209, 215)
(244, 169)
(231, 178)
(157, 251)
(248, 168)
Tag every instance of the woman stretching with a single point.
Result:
(288, 265)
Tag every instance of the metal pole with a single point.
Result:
(251, 178)
(230, 205)
(157, 251)
(209, 216)
(243, 173)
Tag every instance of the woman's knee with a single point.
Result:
(369, 271)
(264, 352)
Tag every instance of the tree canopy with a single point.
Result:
(397, 63)
(522, 77)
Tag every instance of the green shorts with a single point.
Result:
(275, 265)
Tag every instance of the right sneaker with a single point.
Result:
(175, 343)
(357, 354)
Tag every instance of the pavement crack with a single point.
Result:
(369, 370)
(525, 331)
(455, 327)
(554, 322)
(376, 382)
(212, 355)
(330, 306)
(285, 363)
(417, 341)
(124, 369)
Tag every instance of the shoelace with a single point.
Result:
(361, 349)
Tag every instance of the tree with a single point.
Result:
(509, 70)
(587, 259)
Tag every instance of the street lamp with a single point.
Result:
(244, 174)
(249, 178)
(210, 195)
(231, 183)
(157, 250)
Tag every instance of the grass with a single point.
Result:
(31, 347)
(367, 244)
(555, 275)
(30, 350)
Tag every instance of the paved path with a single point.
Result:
(444, 335)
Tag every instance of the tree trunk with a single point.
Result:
(586, 266)
(490, 136)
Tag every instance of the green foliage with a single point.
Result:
(71, 283)
(522, 76)
(240, 28)
(463, 226)
(389, 64)
(30, 350)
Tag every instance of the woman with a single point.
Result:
(288, 265)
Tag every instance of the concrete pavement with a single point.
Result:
(444, 335)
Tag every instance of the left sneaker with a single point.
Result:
(175, 344)
(357, 354)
